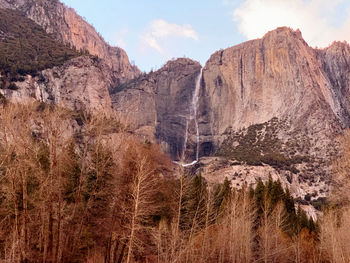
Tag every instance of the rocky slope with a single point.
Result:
(79, 84)
(35, 66)
(67, 26)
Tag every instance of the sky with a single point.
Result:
(155, 31)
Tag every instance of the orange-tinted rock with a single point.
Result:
(276, 76)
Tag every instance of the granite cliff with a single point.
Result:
(276, 76)
(157, 105)
(276, 101)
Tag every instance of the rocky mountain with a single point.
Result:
(277, 101)
(276, 76)
(273, 101)
(70, 28)
(35, 66)
(271, 106)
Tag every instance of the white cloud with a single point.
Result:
(152, 42)
(312, 17)
(158, 32)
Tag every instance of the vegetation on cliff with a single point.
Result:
(25, 48)
(259, 144)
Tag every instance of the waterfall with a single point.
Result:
(185, 141)
(193, 116)
(195, 100)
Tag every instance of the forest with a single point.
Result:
(95, 193)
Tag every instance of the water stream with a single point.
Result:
(192, 116)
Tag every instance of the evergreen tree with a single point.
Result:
(221, 196)
(194, 204)
(259, 196)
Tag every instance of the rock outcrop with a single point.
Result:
(335, 61)
(67, 26)
(79, 84)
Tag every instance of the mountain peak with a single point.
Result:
(284, 33)
(180, 62)
(337, 46)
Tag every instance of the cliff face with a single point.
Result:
(335, 61)
(67, 26)
(41, 68)
(157, 105)
(79, 84)
(276, 76)
(277, 100)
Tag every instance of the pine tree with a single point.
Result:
(194, 204)
(259, 196)
(221, 196)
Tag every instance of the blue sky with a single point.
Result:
(154, 31)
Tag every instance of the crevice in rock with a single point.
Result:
(242, 86)
(221, 54)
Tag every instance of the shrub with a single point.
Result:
(259, 145)
(12, 86)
